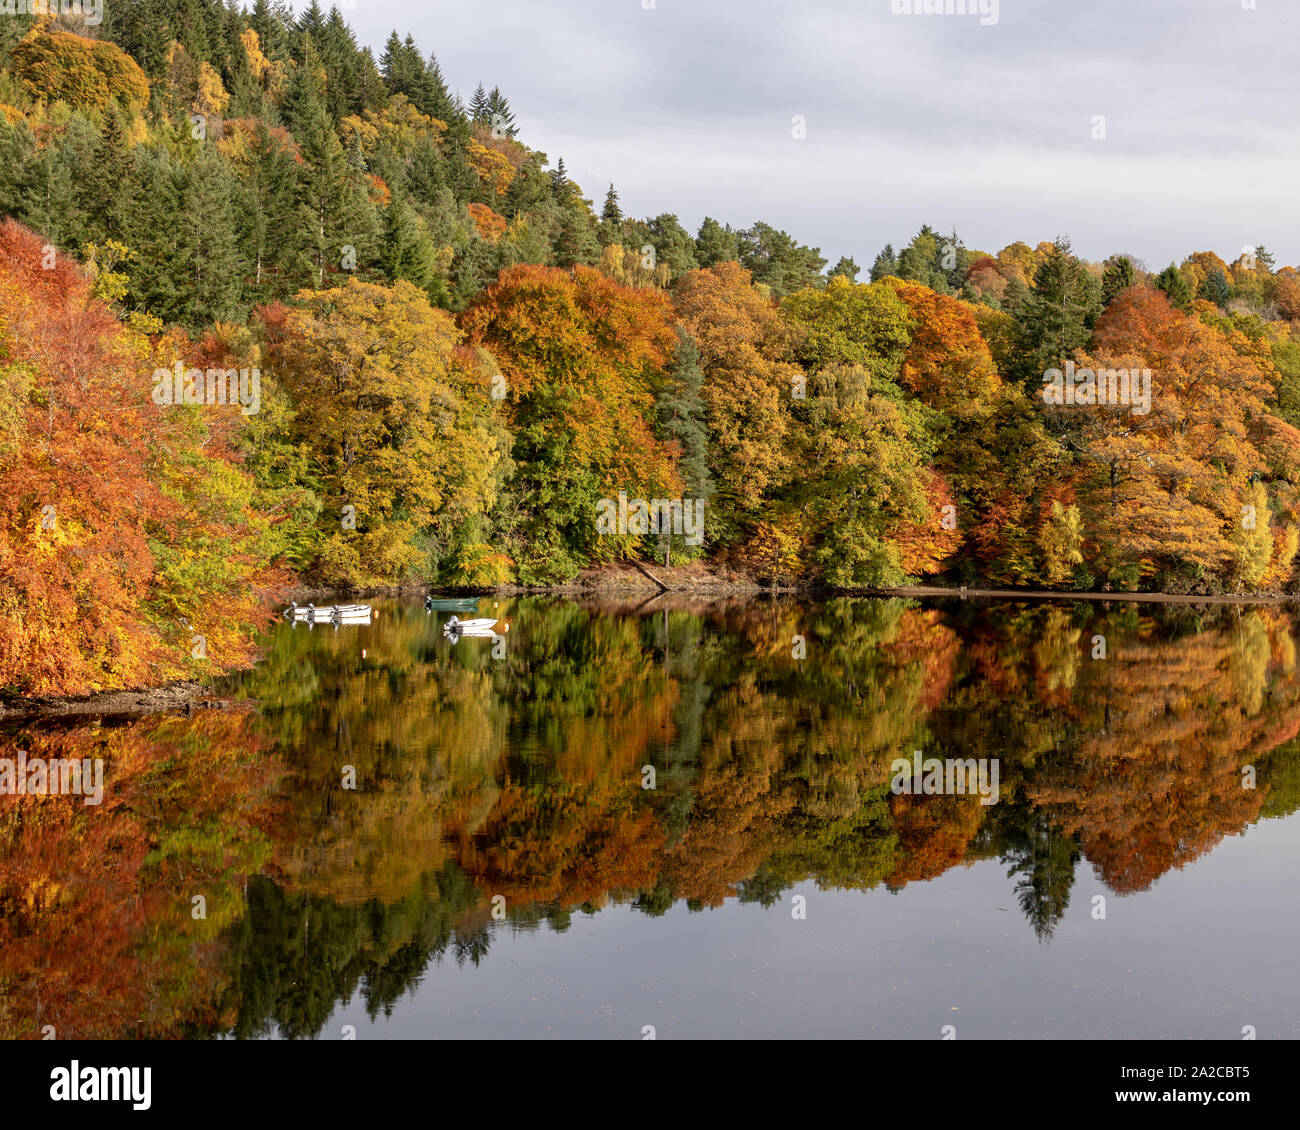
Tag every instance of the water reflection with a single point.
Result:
(507, 786)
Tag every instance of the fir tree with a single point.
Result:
(437, 100)
(611, 213)
(681, 416)
(1216, 288)
(715, 243)
(1172, 281)
(269, 225)
(560, 183)
(1057, 313)
(405, 249)
(846, 267)
(478, 104)
(334, 208)
(498, 115)
(205, 254)
(107, 184)
(885, 265)
(1118, 276)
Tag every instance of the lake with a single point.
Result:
(683, 818)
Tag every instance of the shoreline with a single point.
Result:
(189, 696)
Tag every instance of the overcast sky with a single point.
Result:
(910, 119)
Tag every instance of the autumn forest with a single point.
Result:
(457, 353)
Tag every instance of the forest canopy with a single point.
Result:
(462, 353)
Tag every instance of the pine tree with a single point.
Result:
(310, 24)
(158, 282)
(370, 83)
(269, 225)
(405, 249)
(682, 414)
(1172, 281)
(609, 230)
(392, 63)
(107, 184)
(611, 213)
(205, 254)
(268, 20)
(1118, 276)
(334, 207)
(846, 267)
(885, 265)
(559, 182)
(1216, 288)
(437, 100)
(340, 57)
(575, 239)
(478, 105)
(498, 114)
(21, 174)
(1057, 314)
(197, 31)
(715, 243)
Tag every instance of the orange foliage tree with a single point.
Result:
(129, 552)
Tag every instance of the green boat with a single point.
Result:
(465, 604)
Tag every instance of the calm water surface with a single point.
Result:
(500, 868)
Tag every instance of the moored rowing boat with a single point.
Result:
(356, 613)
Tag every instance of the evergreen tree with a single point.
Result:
(573, 237)
(777, 261)
(310, 25)
(107, 185)
(21, 174)
(885, 265)
(673, 244)
(611, 213)
(370, 83)
(498, 114)
(199, 30)
(1172, 281)
(478, 104)
(1216, 288)
(143, 31)
(158, 279)
(340, 58)
(405, 249)
(269, 224)
(846, 267)
(1057, 313)
(334, 208)
(392, 65)
(404, 71)
(716, 244)
(210, 268)
(437, 100)
(1118, 276)
(922, 261)
(269, 20)
(682, 414)
(559, 183)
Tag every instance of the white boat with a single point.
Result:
(335, 613)
(468, 627)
